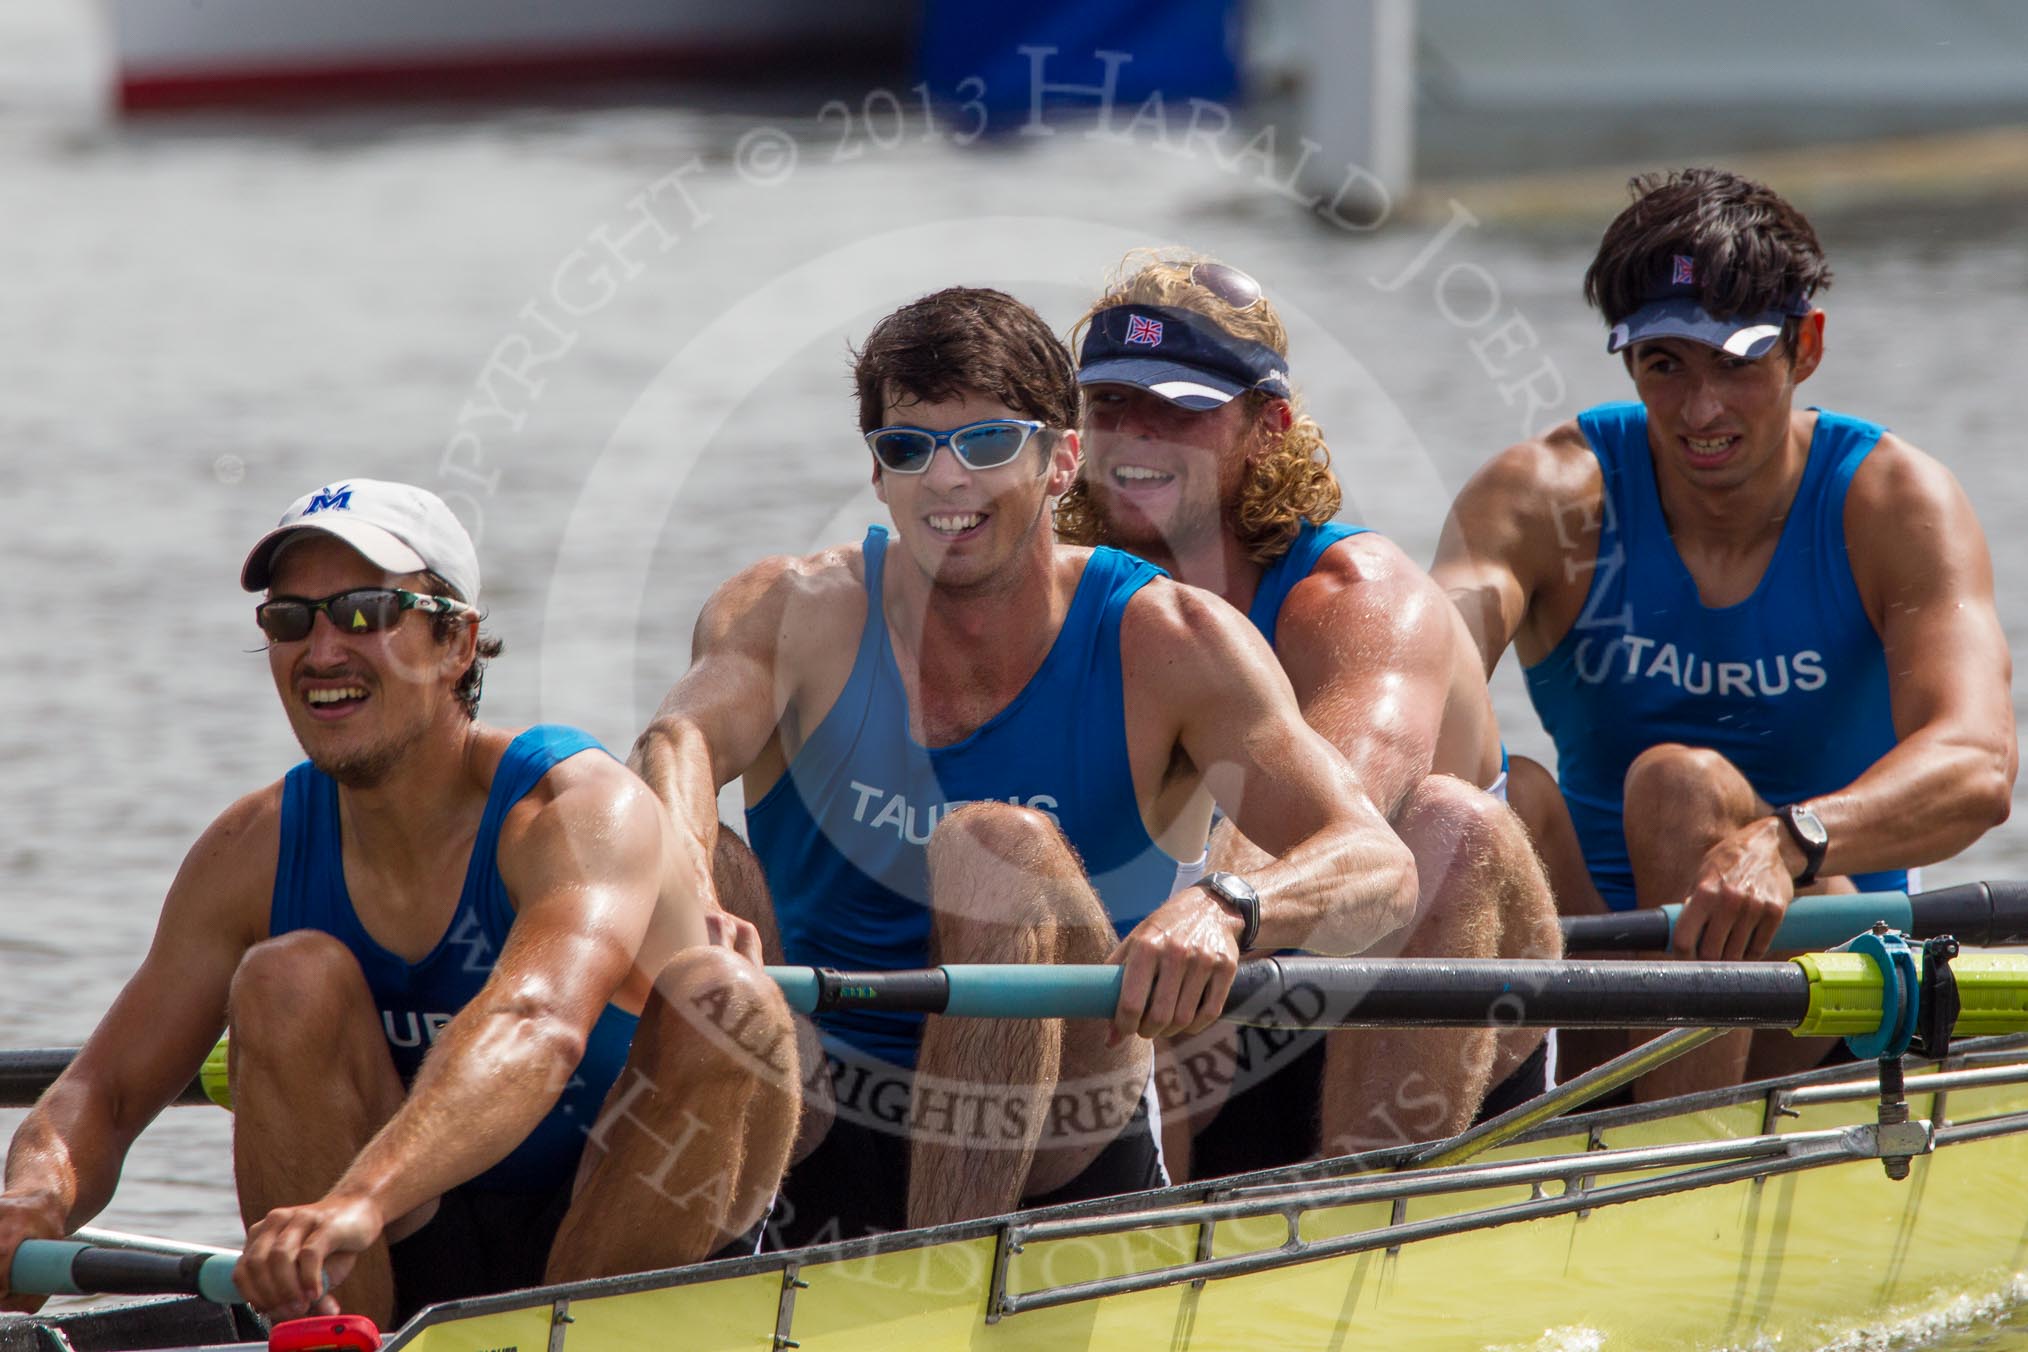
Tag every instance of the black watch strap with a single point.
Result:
(1239, 897)
(1808, 832)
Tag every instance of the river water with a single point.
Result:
(206, 317)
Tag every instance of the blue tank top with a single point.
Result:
(417, 999)
(1281, 576)
(841, 834)
(1790, 685)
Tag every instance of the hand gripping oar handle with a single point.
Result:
(1979, 915)
(64, 1267)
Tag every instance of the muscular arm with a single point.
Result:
(1368, 642)
(1198, 670)
(66, 1156)
(718, 719)
(1926, 578)
(1341, 878)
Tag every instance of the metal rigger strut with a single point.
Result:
(1918, 1007)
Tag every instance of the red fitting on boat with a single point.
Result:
(325, 1333)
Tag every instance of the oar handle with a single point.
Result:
(64, 1267)
(991, 990)
(1980, 915)
(980, 990)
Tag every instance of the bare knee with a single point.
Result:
(736, 875)
(1670, 778)
(993, 831)
(710, 1005)
(1003, 883)
(1483, 888)
(742, 887)
(304, 982)
(1445, 818)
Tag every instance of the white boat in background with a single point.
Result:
(191, 53)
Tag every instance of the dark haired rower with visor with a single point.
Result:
(963, 742)
(1198, 459)
(466, 1054)
(1762, 636)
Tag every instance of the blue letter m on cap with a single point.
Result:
(337, 499)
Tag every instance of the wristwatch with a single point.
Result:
(1237, 895)
(1810, 836)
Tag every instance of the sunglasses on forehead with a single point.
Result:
(1227, 283)
(980, 445)
(364, 610)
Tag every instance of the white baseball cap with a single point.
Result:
(398, 527)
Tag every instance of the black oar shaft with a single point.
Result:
(130, 1273)
(1371, 993)
(65, 1267)
(1979, 915)
(1357, 993)
(1982, 915)
(1644, 931)
(25, 1074)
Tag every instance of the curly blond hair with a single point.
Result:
(1288, 480)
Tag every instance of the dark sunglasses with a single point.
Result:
(365, 610)
(1227, 283)
(980, 445)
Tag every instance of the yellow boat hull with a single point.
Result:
(1792, 1259)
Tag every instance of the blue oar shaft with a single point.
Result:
(64, 1267)
(983, 990)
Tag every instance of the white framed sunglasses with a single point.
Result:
(987, 444)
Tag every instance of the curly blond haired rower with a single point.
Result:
(1198, 457)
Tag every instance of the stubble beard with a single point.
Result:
(1125, 528)
(366, 767)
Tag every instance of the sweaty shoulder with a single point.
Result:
(1362, 586)
(1906, 517)
(1557, 466)
(229, 873)
(1896, 477)
(1367, 565)
(1523, 520)
(787, 603)
(1170, 631)
(589, 797)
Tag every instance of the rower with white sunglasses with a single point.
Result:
(963, 742)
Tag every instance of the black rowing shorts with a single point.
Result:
(479, 1243)
(855, 1183)
(483, 1242)
(1277, 1120)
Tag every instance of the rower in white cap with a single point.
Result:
(463, 1058)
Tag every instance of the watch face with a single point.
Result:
(1231, 886)
(1808, 826)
